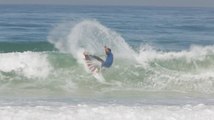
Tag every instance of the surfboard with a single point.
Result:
(92, 64)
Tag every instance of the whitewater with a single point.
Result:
(46, 79)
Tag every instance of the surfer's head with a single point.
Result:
(107, 50)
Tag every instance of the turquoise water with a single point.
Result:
(163, 68)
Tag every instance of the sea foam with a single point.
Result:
(111, 112)
(27, 64)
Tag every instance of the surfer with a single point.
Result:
(109, 58)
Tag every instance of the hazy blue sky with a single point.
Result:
(198, 3)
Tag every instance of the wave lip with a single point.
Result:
(200, 53)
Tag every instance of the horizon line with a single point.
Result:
(109, 5)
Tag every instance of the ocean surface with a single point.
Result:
(163, 67)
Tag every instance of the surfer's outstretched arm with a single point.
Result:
(88, 57)
(97, 58)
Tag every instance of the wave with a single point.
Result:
(56, 73)
(133, 72)
(196, 56)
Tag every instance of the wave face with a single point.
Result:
(143, 72)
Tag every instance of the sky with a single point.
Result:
(177, 3)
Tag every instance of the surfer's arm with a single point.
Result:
(97, 58)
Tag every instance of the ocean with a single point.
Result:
(163, 63)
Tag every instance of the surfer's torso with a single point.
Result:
(109, 60)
